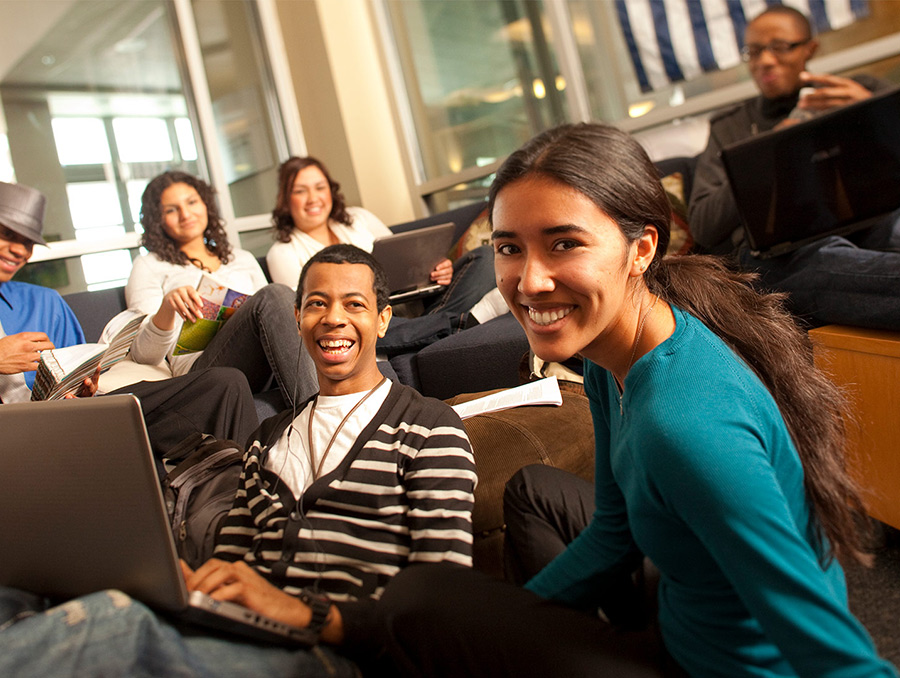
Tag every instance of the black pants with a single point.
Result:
(446, 620)
(544, 509)
(216, 401)
(450, 621)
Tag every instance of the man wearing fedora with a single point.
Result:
(216, 401)
(32, 318)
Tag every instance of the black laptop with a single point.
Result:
(408, 258)
(83, 511)
(834, 174)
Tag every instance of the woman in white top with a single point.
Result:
(185, 238)
(310, 213)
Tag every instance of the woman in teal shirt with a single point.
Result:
(719, 446)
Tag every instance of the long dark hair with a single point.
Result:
(282, 221)
(611, 169)
(155, 238)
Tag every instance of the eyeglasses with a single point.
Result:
(778, 48)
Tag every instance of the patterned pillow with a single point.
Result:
(680, 241)
(477, 234)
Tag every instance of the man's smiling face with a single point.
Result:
(15, 251)
(339, 323)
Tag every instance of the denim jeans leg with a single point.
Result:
(109, 634)
(261, 339)
(473, 277)
(835, 281)
(405, 335)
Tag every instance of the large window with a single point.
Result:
(248, 124)
(479, 77)
(103, 95)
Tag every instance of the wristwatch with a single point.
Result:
(320, 607)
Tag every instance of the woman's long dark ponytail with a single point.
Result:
(609, 167)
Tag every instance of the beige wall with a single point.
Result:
(344, 102)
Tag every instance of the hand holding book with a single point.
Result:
(218, 303)
(62, 372)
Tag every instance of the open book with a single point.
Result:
(62, 370)
(219, 303)
(540, 392)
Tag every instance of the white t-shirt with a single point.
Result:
(289, 457)
(286, 259)
(152, 279)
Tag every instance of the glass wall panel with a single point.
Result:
(249, 127)
(481, 78)
(94, 106)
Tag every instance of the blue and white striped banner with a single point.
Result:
(674, 40)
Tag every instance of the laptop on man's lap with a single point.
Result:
(83, 511)
(832, 175)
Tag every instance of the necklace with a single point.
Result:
(640, 332)
(637, 339)
(317, 470)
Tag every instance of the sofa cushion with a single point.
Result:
(481, 358)
(505, 441)
(95, 309)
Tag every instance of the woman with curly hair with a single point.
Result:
(311, 213)
(185, 237)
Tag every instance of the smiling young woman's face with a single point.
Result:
(562, 267)
(310, 199)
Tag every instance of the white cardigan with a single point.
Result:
(286, 259)
(152, 278)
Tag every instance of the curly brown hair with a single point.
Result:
(155, 238)
(611, 169)
(282, 221)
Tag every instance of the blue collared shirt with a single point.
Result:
(31, 308)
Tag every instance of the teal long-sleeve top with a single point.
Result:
(695, 467)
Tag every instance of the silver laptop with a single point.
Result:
(834, 174)
(408, 259)
(83, 511)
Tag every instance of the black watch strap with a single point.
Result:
(320, 607)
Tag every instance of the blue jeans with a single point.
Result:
(473, 277)
(109, 634)
(851, 280)
(261, 340)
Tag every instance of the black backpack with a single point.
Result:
(199, 489)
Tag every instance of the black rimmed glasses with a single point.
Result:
(778, 48)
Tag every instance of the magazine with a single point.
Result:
(61, 371)
(219, 303)
(540, 392)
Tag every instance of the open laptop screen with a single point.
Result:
(835, 173)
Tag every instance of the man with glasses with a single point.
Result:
(854, 280)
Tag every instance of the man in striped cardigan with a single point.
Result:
(334, 499)
(364, 478)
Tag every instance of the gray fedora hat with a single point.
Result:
(22, 210)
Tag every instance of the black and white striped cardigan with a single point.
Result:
(403, 494)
